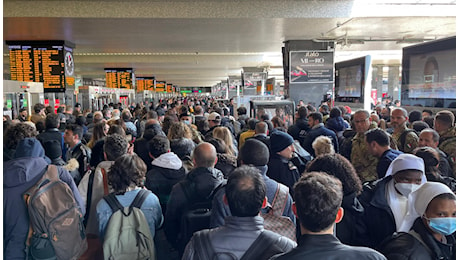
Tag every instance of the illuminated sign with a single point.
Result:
(50, 62)
(145, 83)
(119, 77)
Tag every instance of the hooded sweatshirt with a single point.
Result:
(166, 171)
(19, 175)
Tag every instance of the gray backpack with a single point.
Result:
(128, 236)
(56, 223)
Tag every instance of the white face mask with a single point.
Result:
(406, 188)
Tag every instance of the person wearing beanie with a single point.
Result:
(255, 153)
(54, 152)
(280, 168)
(432, 235)
(389, 201)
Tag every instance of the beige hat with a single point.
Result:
(214, 116)
(406, 161)
(425, 194)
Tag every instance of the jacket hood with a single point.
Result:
(22, 170)
(29, 147)
(168, 160)
(337, 124)
(205, 180)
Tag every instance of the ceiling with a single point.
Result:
(201, 43)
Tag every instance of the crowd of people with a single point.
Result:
(368, 185)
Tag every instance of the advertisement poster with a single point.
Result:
(311, 66)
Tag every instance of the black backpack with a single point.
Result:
(197, 215)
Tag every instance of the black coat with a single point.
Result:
(405, 246)
(328, 247)
(315, 132)
(299, 130)
(378, 217)
(351, 229)
(283, 171)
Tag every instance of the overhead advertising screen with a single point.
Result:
(350, 81)
(250, 78)
(433, 75)
(160, 86)
(145, 83)
(429, 74)
(50, 62)
(311, 66)
(119, 77)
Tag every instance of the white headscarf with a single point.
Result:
(402, 207)
(426, 193)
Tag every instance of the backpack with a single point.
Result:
(264, 247)
(274, 219)
(402, 138)
(197, 216)
(128, 234)
(56, 228)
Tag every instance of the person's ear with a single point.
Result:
(105, 156)
(215, 161)
(339, 215)
(264, 203)
(294, 209)
(151, 156)
(225, 199)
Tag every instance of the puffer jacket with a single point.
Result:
(204, 181)
(236, 236)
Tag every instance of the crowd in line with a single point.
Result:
(364, 185)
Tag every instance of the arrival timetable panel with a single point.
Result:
(145, 83)
(39, 63)
(119, 77)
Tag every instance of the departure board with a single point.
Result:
(49, 62)
(119, 77)
(169, 88)
(160, 86)
(145, 83)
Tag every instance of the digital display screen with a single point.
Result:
(350, 81)
(429, 74)
(145, 83)
(432, 75)
(160, 87)
(119, 77)
(169, 88)
(38, 61)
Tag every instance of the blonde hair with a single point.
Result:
(323, 145)
(225, 135)
(179, 130)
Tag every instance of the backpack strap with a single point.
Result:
(264, 241)
(419, 239)
(139, 199)
(105, 181)
(89, 195)
(113, 202)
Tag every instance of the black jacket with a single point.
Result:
(315, 132)
(52, 134)
(283, 171)
(405, 246)
(141, 148)
(83, 155)
(351, 229)
(378, 217)
(328, 247)
(204, 181)
(161, 180)
(299, 130)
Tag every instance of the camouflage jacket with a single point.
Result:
(365, 164)
(447, 143)
(410, 143)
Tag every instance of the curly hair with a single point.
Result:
(17, 132)
(323, 145)
(339, 167)
(178, 130)
(115, 145)
(127, 171)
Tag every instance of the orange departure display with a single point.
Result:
(39, 61)
(119, 78)
(145, 83)
(160, 86)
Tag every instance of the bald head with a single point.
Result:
(205, 155)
